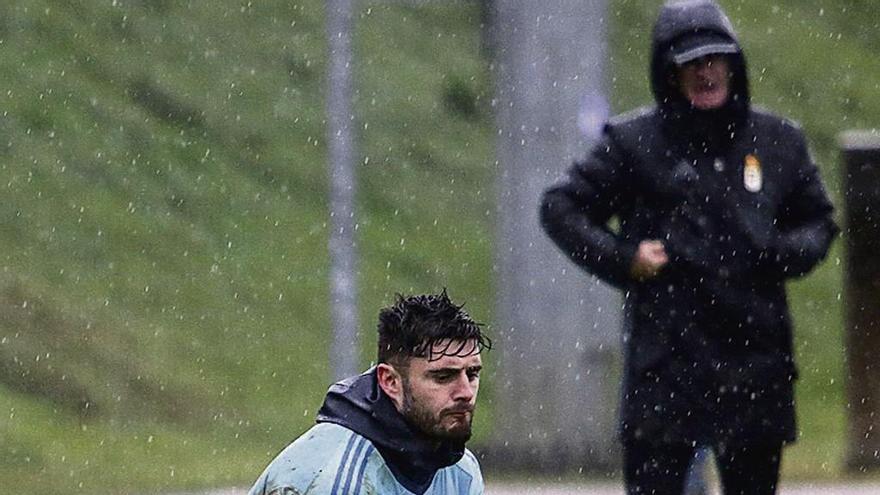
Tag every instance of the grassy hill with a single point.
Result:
(163, 294)
(163, 281)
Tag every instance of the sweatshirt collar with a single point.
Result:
(359, 404)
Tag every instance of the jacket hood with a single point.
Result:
(681, 19)
(359, 404)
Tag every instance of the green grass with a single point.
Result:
(163, 276)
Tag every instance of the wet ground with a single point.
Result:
(616, 489)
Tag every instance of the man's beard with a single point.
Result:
(420, 417)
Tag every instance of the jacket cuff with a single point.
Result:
(626, 253)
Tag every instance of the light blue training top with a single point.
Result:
(330, 459)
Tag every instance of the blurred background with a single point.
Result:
(165, 298)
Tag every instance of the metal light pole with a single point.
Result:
(341, 156)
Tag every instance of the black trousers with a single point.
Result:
(652, 469)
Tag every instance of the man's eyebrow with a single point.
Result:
(446, 369)
(454, 369)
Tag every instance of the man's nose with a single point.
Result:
(464, 389)
(703, 67)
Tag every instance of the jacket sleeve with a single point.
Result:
(805, 224)
(575, 213)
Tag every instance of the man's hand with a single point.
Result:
(649, 260)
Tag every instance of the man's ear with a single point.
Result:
(391, 382)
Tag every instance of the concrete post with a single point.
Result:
(558, 328)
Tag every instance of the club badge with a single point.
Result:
(752, 177)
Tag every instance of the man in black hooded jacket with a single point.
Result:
(401, 427)
(717, 205)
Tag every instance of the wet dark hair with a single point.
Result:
(415, 324)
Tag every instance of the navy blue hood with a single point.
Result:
(679, 20)
(359, 404)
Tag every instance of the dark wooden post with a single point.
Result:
(861, 160)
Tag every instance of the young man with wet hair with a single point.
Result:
(401, 426)
(718, 204)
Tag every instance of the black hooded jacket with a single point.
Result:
(359, 404)
(737, 201)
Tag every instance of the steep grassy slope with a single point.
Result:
(163, 298)
(163, 281)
